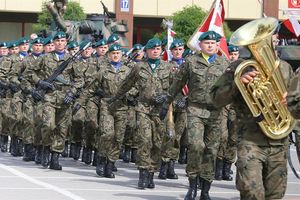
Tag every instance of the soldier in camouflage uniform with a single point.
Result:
(101, 48)
(13, 48)
(294, 96)
(200, 72)
(171, 144)
(48, 45)
(151, 79)
(113, 119)
(261, 161)
(56, 113)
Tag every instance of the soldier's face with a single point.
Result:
(177, 52)
(88, 52)
(37, 48)
(208, 47)
(14, 50)
(141, 56)
(49, 48)
(24, 47)
(60, 44)
(74, 50)
(102, 50)
(154, 53)
(115, 56)
(3, 51)
(233, 56)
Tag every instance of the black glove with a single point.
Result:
(160, 98)
(76, 108)
(46, 85)
(14, 88)
(182, 102)
(163, 112)
(99, 93)
(36, 95)
(69, 97)
(131, 101)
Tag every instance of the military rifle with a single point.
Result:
(60, 69)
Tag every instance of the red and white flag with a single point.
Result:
(213, 22)
(292, 25)
(167, 55)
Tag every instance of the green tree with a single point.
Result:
(73, 12)
(187, 20)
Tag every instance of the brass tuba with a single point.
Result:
(263, 95)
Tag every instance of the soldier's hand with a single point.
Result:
(99, 93)
(182, 102)
(46, 85)
(284, 99)
(248, 76)
(160, 98)
(69, 98)
(36, 95)
(163, 113)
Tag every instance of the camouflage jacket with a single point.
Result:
(149, 83)
(199, 77)
(225, 92)
(294, 97)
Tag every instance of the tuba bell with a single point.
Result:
(263, 95)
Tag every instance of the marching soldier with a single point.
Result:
(13, 47)
(200, 72)
(73, 47)
(48, 45)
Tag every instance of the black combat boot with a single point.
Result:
(45, 156)
(77, 150)
(13, 146)
(38, 154)
(94, 163)
(88, 157)
(192, 192)
(143, 178)
(219, 169)
(4, 142)
(65, 153)
(182, 155)
(163, 170)
(108, 173)
(28, 153)
(171, 171)
(101, 164)
(126, 154)
(54, 163)
(84, 154)
(133, 155)
(72, 150)
(20, 146)
(150, 180)
(205, 190)
(226, 171)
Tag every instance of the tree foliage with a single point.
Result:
(187, 20)
(73, 12)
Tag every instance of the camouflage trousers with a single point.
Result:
(171, 145)
(261, 171)
(90, 124)
(112, 129)
(6, 116)
(130, 138)
(77, 125)
(16, 117)
(203, 142)
(55, 124)
(150, 132)
(37, 117)
(28, 122)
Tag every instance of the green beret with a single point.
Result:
(100, 43)
(12, 44)
(37, 40)
(176, 43)
(3, 44)
(154, 42)
(72, 44)
(85, 43)
(124, 50)
(112, 38)
(23, 40)
(137, 47)
(232, 48)
(59, 35)
(114, 47)
(48, 40)
(210, 35)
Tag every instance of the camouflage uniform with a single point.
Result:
(202, 118)
(261, 163)
(294, 96)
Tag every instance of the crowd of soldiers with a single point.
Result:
(109, 102)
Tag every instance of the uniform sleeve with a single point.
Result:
(225, 90)
(294, 96)
(77, 77)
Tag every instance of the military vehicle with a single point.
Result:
(95, 27)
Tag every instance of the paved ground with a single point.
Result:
(77, 181)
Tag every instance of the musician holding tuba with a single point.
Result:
(256, 88)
